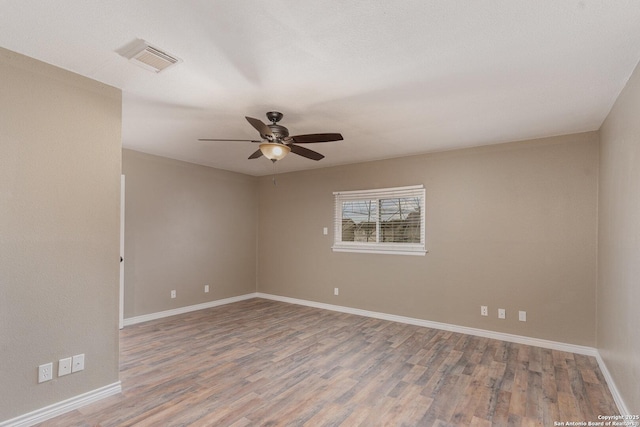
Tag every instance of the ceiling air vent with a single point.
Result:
(148, 57)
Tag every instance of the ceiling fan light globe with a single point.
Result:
(274, 151)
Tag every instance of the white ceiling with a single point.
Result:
(395, 78)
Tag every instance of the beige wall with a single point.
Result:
(186, 226)
(618, 311)
(59, 221)
(510, 226)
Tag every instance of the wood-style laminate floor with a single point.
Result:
(266, 363)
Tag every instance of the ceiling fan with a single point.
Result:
(276, 142)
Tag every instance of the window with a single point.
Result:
(385, 220)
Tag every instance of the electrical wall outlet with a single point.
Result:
(173, 293)
(336, 291)
(206, 288)
(522, 316)
(484, 310)
(64, 366)
(502, 314)
(45, 372)
(77, 363)
(325, 231)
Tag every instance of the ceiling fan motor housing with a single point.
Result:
(278, 131)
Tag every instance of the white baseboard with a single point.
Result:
(622, 407)
(63, 407)
(571, 348)
(159, 315)
(554, 345)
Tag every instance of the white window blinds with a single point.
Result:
(384, 220)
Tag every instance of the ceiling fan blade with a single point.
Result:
(259, 126)
(305, 152)
(316, 137)
(256, 154)
(241, 140)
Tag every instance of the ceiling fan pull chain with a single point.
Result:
(275, 172)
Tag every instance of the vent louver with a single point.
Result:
(148, 57)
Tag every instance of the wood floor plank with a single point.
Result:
(479, 422)
(266, 363)
(519, 391)
(500, 415)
